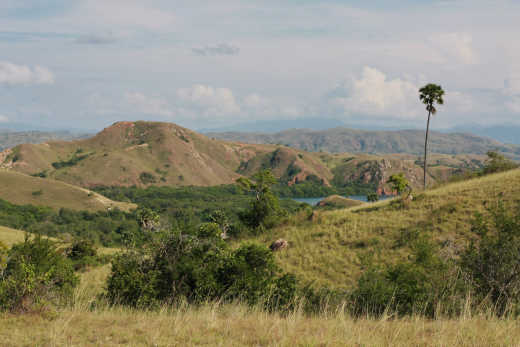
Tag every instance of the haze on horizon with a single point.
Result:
(88, 63)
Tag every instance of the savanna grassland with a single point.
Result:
(214, 324)
(329, 247)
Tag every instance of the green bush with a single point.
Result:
(83, 253)
(198, 268)
(497, 163)
(416, 286)
(492, 261)
(36, 277)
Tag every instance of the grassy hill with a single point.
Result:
(145, 153)
(153, 153)
(339, 140)
(332, 247)
(20, 189)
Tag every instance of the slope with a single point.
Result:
(10, 236)
(145, 153)
(332, 247)
(339, 140)
(20, 189)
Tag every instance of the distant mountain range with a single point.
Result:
(9, 138)
(341, 140)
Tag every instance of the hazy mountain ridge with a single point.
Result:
(339, 140)
(10, 138)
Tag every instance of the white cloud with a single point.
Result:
(21, 74)
(209, 100)
(458, 46)
(3, 119)
(375, 95)
(148, 105)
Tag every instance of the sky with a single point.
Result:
(85, 64)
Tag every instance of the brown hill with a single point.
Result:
(144, 153)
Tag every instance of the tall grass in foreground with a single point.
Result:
(218, 324)
(215, 324)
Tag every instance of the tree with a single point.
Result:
(148, 219)
(265, 206)
(430, 95)
(399, 183)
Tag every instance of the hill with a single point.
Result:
(339, 140)
(19, 188)
(153, 153)
(145, 153)
(333, 248)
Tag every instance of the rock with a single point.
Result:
(278, 245)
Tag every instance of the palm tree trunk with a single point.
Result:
(426, 148)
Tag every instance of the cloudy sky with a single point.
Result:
(85, 64)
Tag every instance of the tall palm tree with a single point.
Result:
(430, 95)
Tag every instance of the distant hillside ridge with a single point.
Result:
(10, 139)
(340, 140)
(155, 153)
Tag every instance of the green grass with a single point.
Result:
(22, 189)
(331, 248)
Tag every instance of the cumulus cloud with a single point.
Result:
(373, 94)
(21, 74)
(220, 49)
(455, 46)
(148, 105)
(3, 119)
(209, 100)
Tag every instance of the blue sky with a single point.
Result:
(85, 64)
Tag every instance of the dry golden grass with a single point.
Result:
(236, 325)
(330, 249)
(11, 236)
(21, 189)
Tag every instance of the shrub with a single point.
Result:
(372, 197)
(147, 178)
(414, 286)
(497, 163)
(36, 277)
(82, 253)
(196, 267)
(492, 261)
